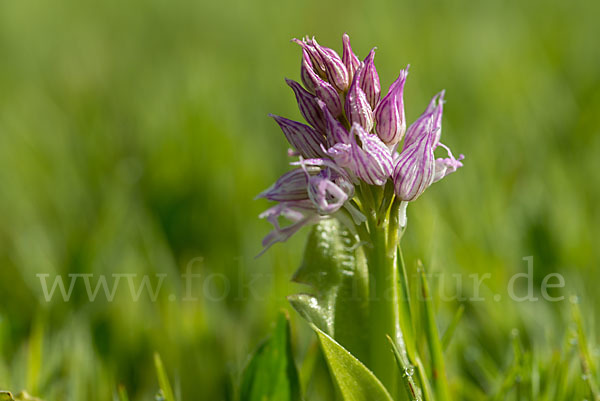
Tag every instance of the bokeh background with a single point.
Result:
(134, 136)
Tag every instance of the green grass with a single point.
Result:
(134, 136)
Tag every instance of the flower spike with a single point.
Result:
(352, 139)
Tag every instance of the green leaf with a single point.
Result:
(163, 379)
(355, 381)
(313, 311)
(271, 373)
(335, 267)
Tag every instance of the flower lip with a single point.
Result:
(327, 196)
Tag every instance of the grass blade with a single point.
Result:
(440, 382)
(123, 393)
(413, 391)
(163, 379)
(447, 337)
(588, 366)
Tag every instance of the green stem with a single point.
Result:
(383, 305)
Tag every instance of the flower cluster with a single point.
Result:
(353, 136)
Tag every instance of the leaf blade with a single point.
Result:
(355, 381)
(271, 373)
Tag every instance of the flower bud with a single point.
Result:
(415, 168)
(334, 67)
(357, 106)
(336, 133)
(307, 71)
(290, 186)
(419, 127)
(369, 82)
(371, 161)
(314, 56)
(309, 108)
(349, 58)
(302, 137)
(389, 114)
(329, 96)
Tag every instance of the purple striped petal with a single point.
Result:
(324, 90)
(290, 186)
(336, 133)
(389, 114)
(369, 82)
(309, 107)
(357, 106)
(334, 67)
(419, 128)
(349, 58)
(313, 53)
(371, 162)
(302, 137)
(379, 166)
(307, 72)
(415, 169)
(341, 153)
(329, 96)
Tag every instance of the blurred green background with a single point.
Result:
(134, 136)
